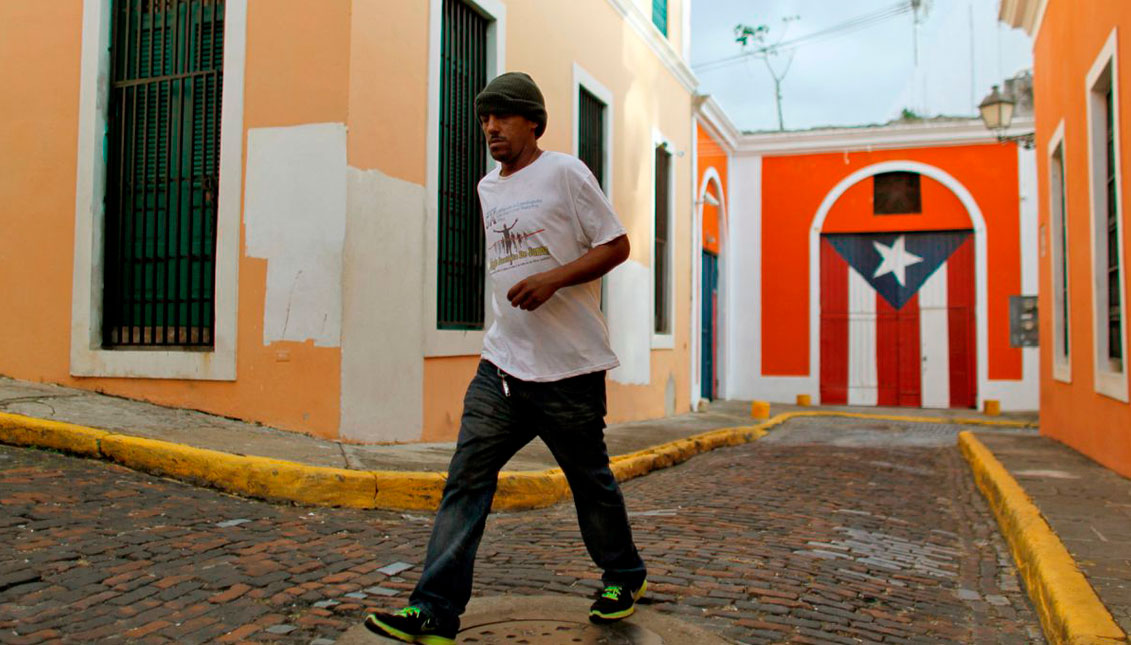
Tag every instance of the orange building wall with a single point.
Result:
(1064, 50)
(792, 190)
(711, 155)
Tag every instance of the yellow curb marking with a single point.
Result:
(1069, 608)
(279, 480)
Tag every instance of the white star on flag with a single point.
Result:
(896, 259)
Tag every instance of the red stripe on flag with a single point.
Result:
(834, 326)
(910, 355)
(898, 369)
(960, 326)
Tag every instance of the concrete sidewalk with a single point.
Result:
(1086, 505)
(211, 432)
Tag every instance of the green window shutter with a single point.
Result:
(461, 248)
(163, 169)
(660, 15)
(661, 262)
(1114, 293)
(591, 134)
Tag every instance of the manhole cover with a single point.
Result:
(559, 632)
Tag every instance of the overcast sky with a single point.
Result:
(867, 76)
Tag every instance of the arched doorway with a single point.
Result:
(897, 293)
(709, 309)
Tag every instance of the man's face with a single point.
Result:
(507, 135)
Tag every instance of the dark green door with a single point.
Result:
(708, 386)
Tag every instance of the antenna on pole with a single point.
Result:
(973, 80)
(915, 6)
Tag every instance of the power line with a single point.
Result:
(841, 29)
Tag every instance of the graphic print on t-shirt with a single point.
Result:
(509, 243)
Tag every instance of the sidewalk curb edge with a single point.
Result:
(280, 480)
(1069, 609)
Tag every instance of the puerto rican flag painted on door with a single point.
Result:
(897, 319)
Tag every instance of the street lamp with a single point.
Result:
(997, 113)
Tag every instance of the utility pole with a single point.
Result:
(744, 34)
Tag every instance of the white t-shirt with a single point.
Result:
(547, 214)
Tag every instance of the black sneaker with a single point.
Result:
(412, 625)
(615, 602)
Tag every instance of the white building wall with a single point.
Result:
(382, 318)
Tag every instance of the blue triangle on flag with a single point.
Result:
(897, 264)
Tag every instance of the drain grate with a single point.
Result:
(559, 632)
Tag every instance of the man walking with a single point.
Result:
(543, 367)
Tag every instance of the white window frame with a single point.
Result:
(88, 359)
(583, 79)
(1110, 380)
(663, 340)
(1058, 258)
(452, 342)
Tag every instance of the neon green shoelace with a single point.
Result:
(612, 592)
(409, 611)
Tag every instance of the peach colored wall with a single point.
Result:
(545, 39)
(39, 44)
(792, 190)
(359, 62)
(1063, 52)
(297, 72)
(388, 88)
(445, 382)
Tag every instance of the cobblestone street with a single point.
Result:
(827, 531)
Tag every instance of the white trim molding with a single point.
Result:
(1023, 14)
(582, 78)
(660, 45)
(88, 359)
(978, 223)
(712, 117)
(711, 178)
(1110, 378)
(663, 340)
(450, 342)
(1058, 257)
(962, 132)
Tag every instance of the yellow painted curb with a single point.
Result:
(19, 430)
(273, 479)
(1069, 608)
(279, 480)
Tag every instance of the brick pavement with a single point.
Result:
(769, 542)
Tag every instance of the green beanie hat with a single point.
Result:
(513, 93)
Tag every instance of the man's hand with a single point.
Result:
(530, 293)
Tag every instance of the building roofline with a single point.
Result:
(712, 116)
(1023, 14)
(883, 137)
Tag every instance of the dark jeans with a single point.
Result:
(569, 417)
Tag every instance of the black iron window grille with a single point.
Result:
(162, 150)
(1114, 314)
(463, 161)
(591, 134)
(662, 261)
(896, 193)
